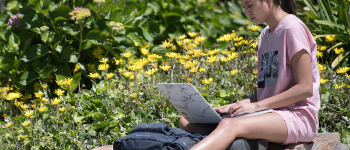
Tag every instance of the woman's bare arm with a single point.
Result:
(301, 66)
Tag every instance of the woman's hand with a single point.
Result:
(238, 108)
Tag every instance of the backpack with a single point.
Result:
(157, 136)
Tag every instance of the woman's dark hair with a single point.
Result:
(288, 6)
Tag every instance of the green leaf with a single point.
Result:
(13, 40)
(19, 119)
(76, 81)
(58, 37)
(329, 23)
(159, 50)
(28, 77)
(325, 97)
(97, 102)
(147, 36)
(135, 38)
(336, 62)
(59, 18)
(312, 16)
(63, 69)
(47, 70)
(4, 73)
(69, 54)
(77, 119)
(96, 36)
(63, 11)
(311, 6)
(343, 15)
(120, 113)
(35, 51)
(345, 136)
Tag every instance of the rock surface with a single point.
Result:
(323, 141)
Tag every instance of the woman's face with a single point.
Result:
(257, 10)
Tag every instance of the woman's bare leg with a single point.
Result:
(269, 126)
(203, 129)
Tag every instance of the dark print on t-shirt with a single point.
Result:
(269, 70)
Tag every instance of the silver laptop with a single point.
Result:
(191, 104)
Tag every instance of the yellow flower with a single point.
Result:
(127, 74)
(181, 37)
(184, 77)
(212, 59)
(223, 59)
(330, 38)
(80, 13)
(39, 94)
(45, 86)
(165, 67)
(109, 75)
(322, 48)
(202, 70)
(193, 69)
(24, 106)
(29, 113)
(173, 47)
(37, 86)
(62, 109)
(44, 28)
(91, 67)
(94, 75)
(254, 45)
(322, 81)
(98, 53)
(338, 51)
(233, 72)
(343, 70)
(22, 136)
(4, 115)
(171, 54)
(121, 70)
(59, 92)
(17, 103)
(254, 27)
(192, 34)
(127, 54)
(247, 23)
(136, 44)
(8, 124)
(200, 39)
(56, 101)
(179, 43)
(319, 54)
(321, 67)
(348, 76)
(213, 52)
(68, 81)
(151, 71)
(339, 86)
(77, 67)
(26, 123)
(255, 71)
(42, 109)
(189, 80)
(166, 44)
(134, 95)
(44, 99)
(232, 55)
(104, 60)
(144, 51)
(103, 66)
(207, 81)
(118, 61)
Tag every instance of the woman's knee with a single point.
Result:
(183, 123)
(230, 124)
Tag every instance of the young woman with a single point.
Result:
(288, 82)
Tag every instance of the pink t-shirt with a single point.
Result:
(275, 75)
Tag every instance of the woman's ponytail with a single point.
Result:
(288, 6)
